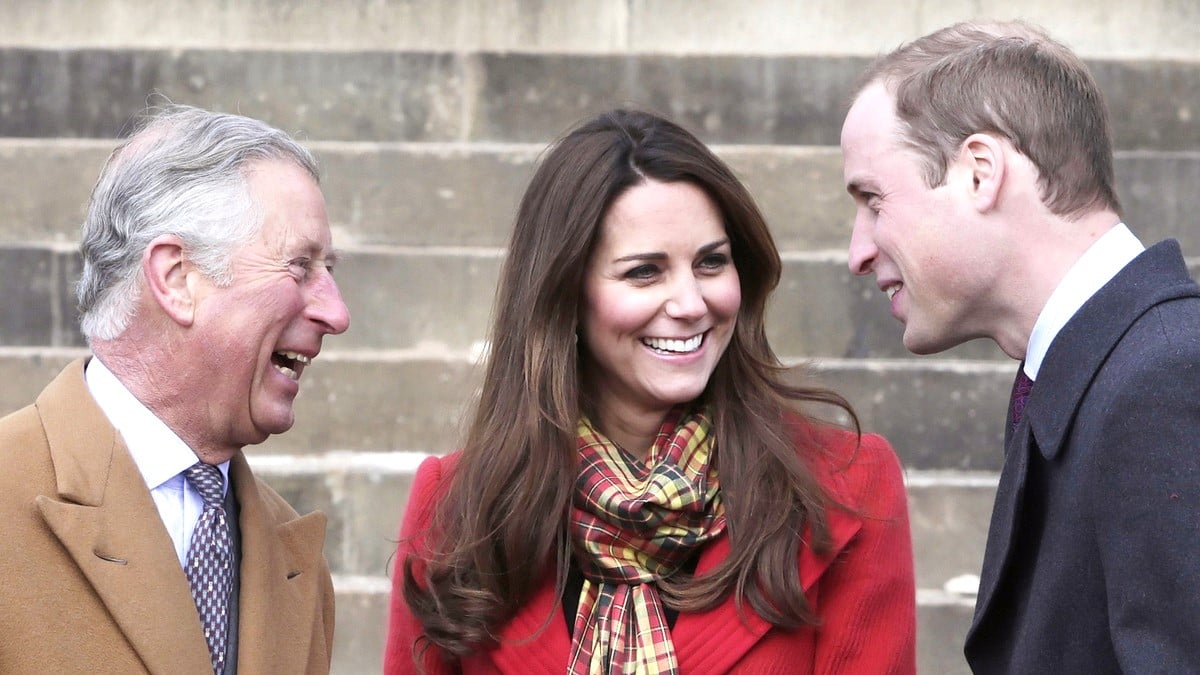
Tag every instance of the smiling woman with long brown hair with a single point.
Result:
(640, 490)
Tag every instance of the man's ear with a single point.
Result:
(167, 270)
(984, 159)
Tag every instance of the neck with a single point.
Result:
(1054, 246)
(632, 429)
(142, 371)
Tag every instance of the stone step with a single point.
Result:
(362, 610)
(509, 97)
(465, 194)
(942, 624)
(1146, 29)
(937, 414)
(949, 512)
(360, 624)
(400, 298)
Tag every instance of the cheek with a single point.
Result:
(610, 313)
(725, 297)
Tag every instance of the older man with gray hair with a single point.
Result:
(136, 537)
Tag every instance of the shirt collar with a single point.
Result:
(1107, 256)
(158, 451)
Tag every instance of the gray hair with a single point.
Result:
(181, 172)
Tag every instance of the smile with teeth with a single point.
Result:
(670, 346)
(286, 362)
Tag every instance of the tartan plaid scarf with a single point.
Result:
(634, 523)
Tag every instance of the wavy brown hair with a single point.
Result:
(503, 523)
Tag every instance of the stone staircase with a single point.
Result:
(428, 117)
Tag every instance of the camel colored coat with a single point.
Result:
(89, 579)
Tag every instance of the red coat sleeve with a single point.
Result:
(867, 600)
(403, 627)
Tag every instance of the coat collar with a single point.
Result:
(283, 577)
(1081, 348)
(106, 519)
(1072, 362)
(536, 640)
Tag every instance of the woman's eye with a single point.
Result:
(642, 272)
(714, 261)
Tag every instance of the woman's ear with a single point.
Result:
(167, 270)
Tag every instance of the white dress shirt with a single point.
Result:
(161, 456)
(1107, 256)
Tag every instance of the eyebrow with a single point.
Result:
(659, 255)
(314, 249)
(860, 186)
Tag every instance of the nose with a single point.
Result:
(862, 247)
(326, 307)
(686, 301)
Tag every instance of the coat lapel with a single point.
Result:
(281, 580)
(1075, 356)
(108, 523)
(694, 633)
(1005, 513)
(536, 642)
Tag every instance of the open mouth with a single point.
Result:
(672, 346)
(290, 363)
(893, 290)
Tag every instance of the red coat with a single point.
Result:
(864, 592)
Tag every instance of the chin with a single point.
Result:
(274, 424)
(680, 397)
(924, 345)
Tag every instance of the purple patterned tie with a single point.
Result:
(1020, 395)
(210, 560)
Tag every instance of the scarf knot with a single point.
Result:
(635, 522)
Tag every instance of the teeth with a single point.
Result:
(892, 291)
(287, 371)
(676, 346)
(299, 358)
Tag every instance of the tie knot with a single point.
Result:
(1023, 384)
(1021, 389)
(208, 481)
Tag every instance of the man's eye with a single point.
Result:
(301, 265)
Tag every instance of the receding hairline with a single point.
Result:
(891, 68)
